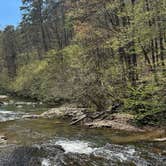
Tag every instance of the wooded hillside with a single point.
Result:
(98, 53)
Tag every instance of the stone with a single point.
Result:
(32, 155)
(160, 139)
(118, 122)
(31, 116)
(3, 139)
(54, 112)
(4, 98)
(19, 106)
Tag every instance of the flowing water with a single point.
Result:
(52, 142)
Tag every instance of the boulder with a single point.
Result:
(54, 112)
(31, 116)
(4, 98)
(3, 139)
(19, 106)
(34, 155)
(63, 112)
(118, 122)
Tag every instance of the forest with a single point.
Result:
(83, 83)
(100, 54)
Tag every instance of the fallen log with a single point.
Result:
(78, 120)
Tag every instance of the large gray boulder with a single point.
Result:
(31, 155)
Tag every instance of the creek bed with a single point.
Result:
(39, 141)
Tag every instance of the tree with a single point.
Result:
(10, 50)
(33, 22)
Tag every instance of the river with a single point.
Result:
(53, 142)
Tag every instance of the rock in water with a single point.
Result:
(31, 116)
(3, 140)
(160, 139)
(32, 156)
(54, 112)
(3, 98)
(24, 156)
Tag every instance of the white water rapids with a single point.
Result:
(83, 147)
(87, 148)
(9, 115)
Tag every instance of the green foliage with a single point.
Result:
(29, 78)
(145, 100)
(91, 52)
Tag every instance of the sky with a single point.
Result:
(9, 12)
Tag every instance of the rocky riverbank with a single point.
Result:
(104, 119)
(81, 116)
